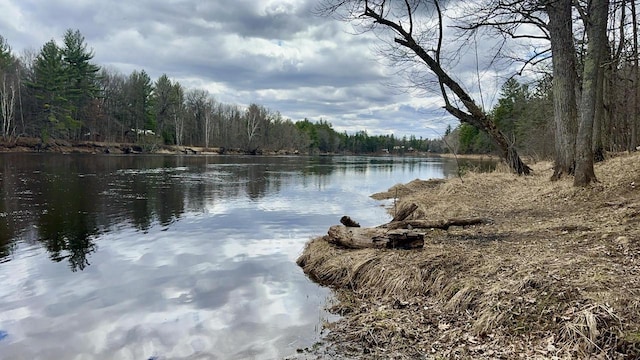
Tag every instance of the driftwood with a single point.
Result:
(426, 224)
(361, 238)
(406, 234)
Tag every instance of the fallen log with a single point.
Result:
(361, 238)
(426, 224)
(405, 234)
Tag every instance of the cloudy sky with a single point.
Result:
(275, 53)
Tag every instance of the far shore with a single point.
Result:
(27, 144)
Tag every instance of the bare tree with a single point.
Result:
(7, 106)
(255, 120)
(8, 83)
(401, 18)
(177, 112)
(209, 106)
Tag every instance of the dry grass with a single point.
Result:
(555, 275)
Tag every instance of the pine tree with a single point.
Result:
(48, 83)
(81, 76)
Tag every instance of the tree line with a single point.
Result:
(58, 92)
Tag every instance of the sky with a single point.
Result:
(275, 53)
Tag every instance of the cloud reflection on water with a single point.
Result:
(193, 257)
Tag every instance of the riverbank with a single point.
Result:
(554, 275)
(24, 144)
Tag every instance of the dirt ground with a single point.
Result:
(555, 274)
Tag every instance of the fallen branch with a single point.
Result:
(405, 212)
(426, 224)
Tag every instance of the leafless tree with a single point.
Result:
(256, 120)
(7, 106)
(410, 22)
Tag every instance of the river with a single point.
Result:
(170, 257)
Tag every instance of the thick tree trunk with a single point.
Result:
(636, 78)
(564, 85)
(597, 34)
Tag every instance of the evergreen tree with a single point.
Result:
(6, 59)
(48, 83)
(511, 108)
(162, 103)
(139, 101)
(81, 76)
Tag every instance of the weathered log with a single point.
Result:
(405, 212)
(361, 238)
(425, 224)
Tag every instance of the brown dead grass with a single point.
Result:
(555, 275)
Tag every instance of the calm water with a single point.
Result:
(163, 257)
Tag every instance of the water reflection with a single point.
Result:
(173, 256)
(69, 200)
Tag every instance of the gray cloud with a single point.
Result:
(273, 52)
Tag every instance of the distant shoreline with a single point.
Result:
(35, 145)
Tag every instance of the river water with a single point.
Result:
(174, 257)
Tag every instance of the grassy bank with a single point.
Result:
(556, 274)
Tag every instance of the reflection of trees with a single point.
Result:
(6, 243)
(155, 196)
(68, 224)
(73, 198)
(68, 237)
(6, 231)
(257, 181)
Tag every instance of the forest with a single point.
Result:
(60, 93)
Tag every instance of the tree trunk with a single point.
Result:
(636, 78)
(564, 85)
(599, 120)
(597, 34)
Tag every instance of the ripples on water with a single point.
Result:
(173, 256)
